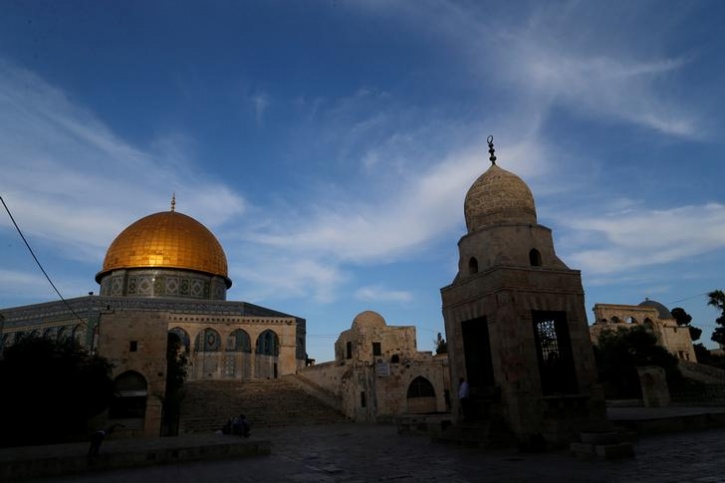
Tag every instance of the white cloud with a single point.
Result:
(280, 276)
(378, 293)
(72, 182)
(260, 103)
(637, 237)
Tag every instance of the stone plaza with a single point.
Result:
(372, 452)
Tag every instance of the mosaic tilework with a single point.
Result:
(164, 283)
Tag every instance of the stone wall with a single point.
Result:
(615, 316)
(136, 341)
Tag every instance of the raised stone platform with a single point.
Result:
(64, 459)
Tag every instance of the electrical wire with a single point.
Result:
(38, 262)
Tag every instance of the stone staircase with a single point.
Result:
(266, 403)
(702, 373)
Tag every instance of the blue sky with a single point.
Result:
(329, 144)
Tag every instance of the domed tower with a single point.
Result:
(167, 254)
(515, 319)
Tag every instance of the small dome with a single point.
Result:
(498, 196)
(662, 311)
(368, 319)
(168, 239)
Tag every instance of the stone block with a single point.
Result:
(581, 449)
(614, 451)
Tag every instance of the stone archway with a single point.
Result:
(128, 405)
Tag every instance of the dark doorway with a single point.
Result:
(553, 348)
(477, 351)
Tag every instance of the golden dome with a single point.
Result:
(368, 319)
(498, 196)
(167, 240)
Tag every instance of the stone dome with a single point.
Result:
(169, 240)
(498, 197)
(662, 311)
(368, 319)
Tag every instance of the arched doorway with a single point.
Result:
(128, 405)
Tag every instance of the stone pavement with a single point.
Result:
(367, 453)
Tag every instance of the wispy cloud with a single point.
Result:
(636, 238)
(260, 103)
(379, 293)
(71, 181)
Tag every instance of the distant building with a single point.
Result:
(379, 373)
(651, 315)
(165, 276)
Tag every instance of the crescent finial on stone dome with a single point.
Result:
(491, 151)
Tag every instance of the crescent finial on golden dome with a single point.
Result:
(173, 201)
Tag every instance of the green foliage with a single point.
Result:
(50, 391)
(683, 319)
(620, 352)
(717, 300)
(176, 365)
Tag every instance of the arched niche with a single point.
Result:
(208, 340)
(421, 396)
(534, 257)
(239, 341)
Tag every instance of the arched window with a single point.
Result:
(239, 341)
(395, 359)
(421, 387)
(534, 258)
(208, 340)
(268, 343)
(129, 399)
(472, 266)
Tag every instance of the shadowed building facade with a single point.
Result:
(165, 276)
(515, 320)
(378, 372)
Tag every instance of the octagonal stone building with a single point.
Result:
(515, 320)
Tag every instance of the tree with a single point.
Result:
(618, 353)
(50, 391)
(717, 300)
(683, 319)
(176, 363)
(441, 344)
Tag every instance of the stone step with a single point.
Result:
(269, 403)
